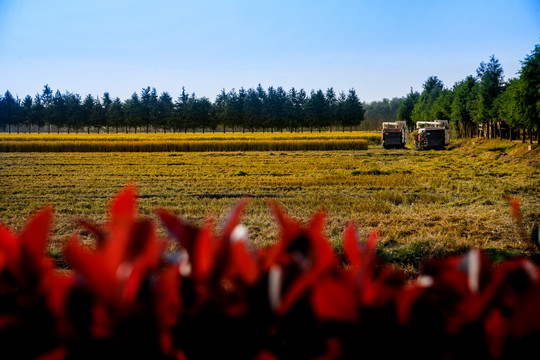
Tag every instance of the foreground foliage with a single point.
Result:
(215, 296)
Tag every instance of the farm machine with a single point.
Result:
(394, 134)
(431, 135)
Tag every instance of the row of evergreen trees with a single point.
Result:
(501, 108)
(252, 109)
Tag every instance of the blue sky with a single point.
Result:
(380, 48)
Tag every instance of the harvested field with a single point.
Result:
(425, 204)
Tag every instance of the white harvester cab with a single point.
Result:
(394, 134)
(432, 134)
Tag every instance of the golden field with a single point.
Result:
(429, 203)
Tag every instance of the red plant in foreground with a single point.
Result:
(217, 297)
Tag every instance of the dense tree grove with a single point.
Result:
(273, 109)
(484, 104)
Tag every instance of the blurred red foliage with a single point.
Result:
(218, 297)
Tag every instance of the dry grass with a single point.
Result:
(425, 204)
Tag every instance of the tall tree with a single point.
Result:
(181, 111)
(98, 116)
(87, 109)
(132, 112)
(220, 107)
(38, 113)
(27, 117)
(106, 102)
(490, 76)
(406, 108)
(353, 110)
(317, 109)
(442, 106)
(433, 88)
(9, 111)
(165, 115)
(58, 111)
(530, 75)
(74, 116)
(511, 105)
(115, 114)
(47, 101)
(331, 99)
(462, 106)
(253, 110)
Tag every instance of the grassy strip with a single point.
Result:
(182, 146)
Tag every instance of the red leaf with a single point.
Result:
(167, 295)
(35, 235)
(321, 252)
(100, 235)
(123, 207)
(204, 253)
(242, 264)
(351, 245)
(496, 333)
(233, 218)
(184, 233)
(289, 229)
(99, 274)
(9, 249)
(334, 299)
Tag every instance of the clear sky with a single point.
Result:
(380, 48)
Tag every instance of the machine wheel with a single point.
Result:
(423, 143)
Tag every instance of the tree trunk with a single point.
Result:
(68, 129)
(88, 129)
(523, 137)
(530, 136)
(538, 135)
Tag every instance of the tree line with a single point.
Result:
(251, 110)
(484, 104)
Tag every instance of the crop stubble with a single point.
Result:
(424, 203)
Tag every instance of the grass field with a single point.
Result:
(429, 203)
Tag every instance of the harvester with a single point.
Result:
(432, 135)
(394, 134)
